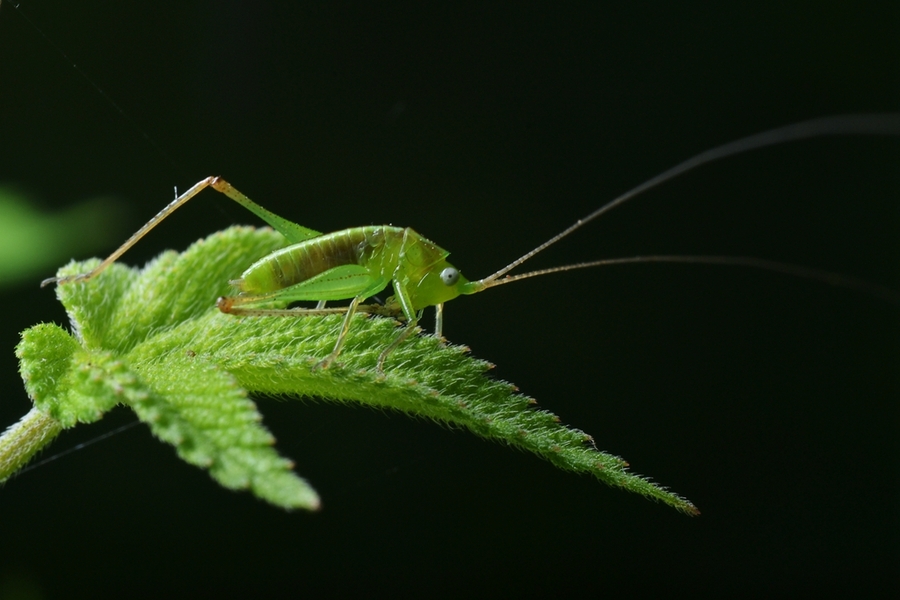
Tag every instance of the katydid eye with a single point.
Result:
(449, 276)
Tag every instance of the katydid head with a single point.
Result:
(440, 283)
(443, 282)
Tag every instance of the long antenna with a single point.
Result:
(836, 279)
(873, 124)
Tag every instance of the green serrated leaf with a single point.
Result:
(66, 382)
(152, 339)
(200, 409)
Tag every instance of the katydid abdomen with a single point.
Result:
(298, 264)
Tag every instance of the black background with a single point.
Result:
(769, 401)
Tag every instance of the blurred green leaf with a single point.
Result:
(33, 242)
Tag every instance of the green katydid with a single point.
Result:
(358, 263)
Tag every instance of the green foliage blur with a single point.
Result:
(34, 242)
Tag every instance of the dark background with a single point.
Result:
(769, 401)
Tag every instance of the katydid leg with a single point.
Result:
(134, 239)
(342, 335)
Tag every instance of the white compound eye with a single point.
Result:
(449, 276)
